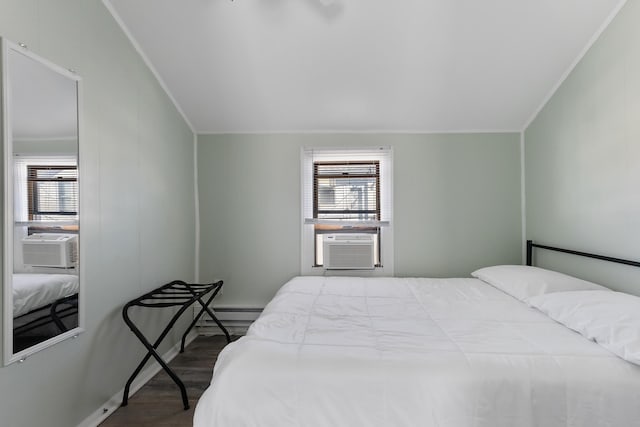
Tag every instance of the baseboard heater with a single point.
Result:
(236, 319)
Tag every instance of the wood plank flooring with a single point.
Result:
(158, 403)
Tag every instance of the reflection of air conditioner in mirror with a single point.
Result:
(348, 251)
(50, 250)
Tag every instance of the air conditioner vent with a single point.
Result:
(50, 250)
(348, 251)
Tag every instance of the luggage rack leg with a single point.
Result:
(152, 352)
(205, 307)
(58, 315)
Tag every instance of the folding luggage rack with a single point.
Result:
(174, 294)
(52, 313)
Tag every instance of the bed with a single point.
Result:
(34, 291)
(40, 300)
(487, 351)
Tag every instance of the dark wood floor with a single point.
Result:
(158, 403)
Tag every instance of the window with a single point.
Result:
(46, 193)
(349, 193)
(52, 192)
(346, 191)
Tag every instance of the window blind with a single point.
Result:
(344, 183)
(346, 190)
(52, 192)
(21, 194)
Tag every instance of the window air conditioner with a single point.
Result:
(50, 250)
(348, 251)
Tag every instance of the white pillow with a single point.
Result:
(523, 281)
(612, 319)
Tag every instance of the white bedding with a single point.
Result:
(32, 291)
(414, 352)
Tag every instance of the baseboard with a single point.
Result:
(236, 329)
(114, 402)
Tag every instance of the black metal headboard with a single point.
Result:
(531, 245)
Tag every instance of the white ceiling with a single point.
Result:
(361, 65)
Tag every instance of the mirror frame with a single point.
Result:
(8, 208)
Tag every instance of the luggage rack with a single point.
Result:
(174, 294)
(52, 313)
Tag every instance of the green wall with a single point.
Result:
(456, 205)
(138, 217)
(583, 159)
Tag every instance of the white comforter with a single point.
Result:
(32, 291)
(414, 352)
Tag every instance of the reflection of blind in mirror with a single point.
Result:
(52, 192)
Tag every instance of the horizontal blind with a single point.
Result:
(52, 192)
(21, 198)
(347, 190)
(358, 174)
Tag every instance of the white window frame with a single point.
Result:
(382, 154)
(20, 192)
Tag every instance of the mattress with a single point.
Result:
(33, 291)
(334, 351)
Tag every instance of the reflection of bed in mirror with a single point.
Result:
(44, 305)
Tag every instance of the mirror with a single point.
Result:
(41, 268)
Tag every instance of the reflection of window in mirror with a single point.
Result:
(46, 191)
(52, 192)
